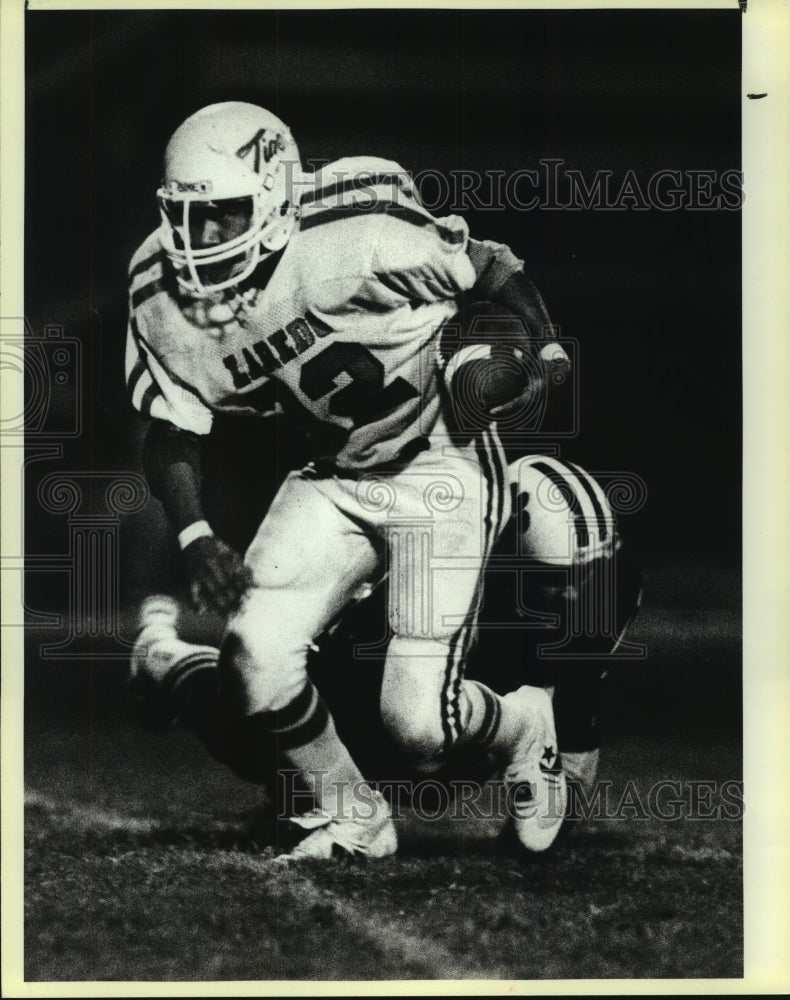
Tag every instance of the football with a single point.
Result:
(480, 377)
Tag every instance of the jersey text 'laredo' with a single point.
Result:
(262, 358)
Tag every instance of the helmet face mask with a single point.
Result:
(227, 200)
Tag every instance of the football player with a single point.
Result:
(324, 295)
(560, 589)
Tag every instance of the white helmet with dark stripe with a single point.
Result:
(565, 517)
(233, 158)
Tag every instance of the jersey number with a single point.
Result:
(365, 399)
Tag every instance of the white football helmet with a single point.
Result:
(241, 155)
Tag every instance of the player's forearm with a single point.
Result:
(171, 459)
(180, 496)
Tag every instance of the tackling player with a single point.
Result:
(324, 295)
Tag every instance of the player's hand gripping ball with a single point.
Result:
(490, 381)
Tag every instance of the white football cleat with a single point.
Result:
(363, 837)
(535, 787)
(160, 661)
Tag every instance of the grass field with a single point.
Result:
(149, 865)
(147, 861)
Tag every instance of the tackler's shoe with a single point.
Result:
(360, 836)
(535, 788)
(580, 768)
(160, 661)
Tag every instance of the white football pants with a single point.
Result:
(431, 527)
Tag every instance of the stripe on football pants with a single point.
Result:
(493, 459)
(493, 465)
(448, 710)
(450, 693)
(501, 465)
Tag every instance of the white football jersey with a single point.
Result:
(346, 327)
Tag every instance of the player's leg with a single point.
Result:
(597, 613)
(576, 590)
(176, 681)
(427, 704)
(162, 666)
(308, 559)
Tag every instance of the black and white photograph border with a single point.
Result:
(634, 157)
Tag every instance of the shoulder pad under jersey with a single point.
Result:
(355, 181)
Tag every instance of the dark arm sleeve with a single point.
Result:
(501, 279)
(171, 460)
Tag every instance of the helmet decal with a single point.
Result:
(260, 148)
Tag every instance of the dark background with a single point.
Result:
(116, 817)
(652, 297)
